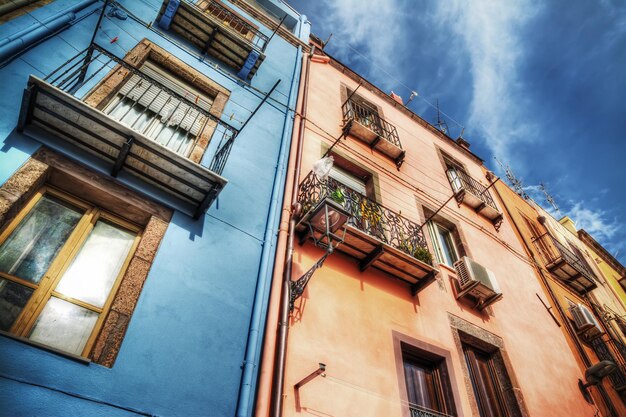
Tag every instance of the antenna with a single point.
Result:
(549, 198)
(513, 181)
(441, 124)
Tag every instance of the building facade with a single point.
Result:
(577, 292)
(142, 167)
(429, 305)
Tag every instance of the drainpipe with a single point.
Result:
(564, 319)
(15, 43)
(245, 400)
(278, 378)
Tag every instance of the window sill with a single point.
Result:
(76, 358)
(447, 268)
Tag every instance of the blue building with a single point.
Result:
(143, 156)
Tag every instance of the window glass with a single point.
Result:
(485, 383)
(13, 298)
(443, 240)
(64, 326)
(32, 246)
(93, 271)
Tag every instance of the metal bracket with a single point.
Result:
(296, 288)
(312, 375)
(207, 46)
(400, 160)
(121, 157)
(371, 257)
(28, 104)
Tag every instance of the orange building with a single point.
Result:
(431, 305)
(589, 311)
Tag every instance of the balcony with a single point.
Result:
(417, 411)
(364, 123)
(472, 193)
(220, 32)
(376, 236)
(150, 133)
(563, 263)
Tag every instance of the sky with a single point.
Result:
(539, 85)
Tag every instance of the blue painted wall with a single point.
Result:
(189, 335)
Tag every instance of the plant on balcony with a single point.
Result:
(422, 254)
(337, 196)
(371, 217)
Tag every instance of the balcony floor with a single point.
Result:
(374, 140)
(47, 107)
(209, 34)
(371, 252)
(570, 275)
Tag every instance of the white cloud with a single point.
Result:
(372, 27)
(597, 222)
(490, 31)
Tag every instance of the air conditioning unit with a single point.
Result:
(585, 321)
(477, 281)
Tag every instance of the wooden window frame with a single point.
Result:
(48, 168)
(434, 228)
(427, 352)
(107, 90)
(470, 353)
(45, 289)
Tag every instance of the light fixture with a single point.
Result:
(594, 375)
(324, 221)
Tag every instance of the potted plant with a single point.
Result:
(422, 254)
(337, 196)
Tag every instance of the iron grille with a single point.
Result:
(366, 215)
(369, 117)
(417, 411)
(81, 75)
(552, 251)
(460, 180)
(232, 20)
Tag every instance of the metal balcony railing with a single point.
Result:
(460, 180)
(552, 252)
(417, 411)
(368, 117)
(614, 351)
(367, 216)
(174, 119)
(234, 21)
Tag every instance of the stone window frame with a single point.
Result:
(464, 332)
(103, 93)
(46, 167)
(430, 352)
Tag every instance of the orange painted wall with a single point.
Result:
(346, 318)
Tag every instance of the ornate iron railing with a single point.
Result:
(551, 251)
(148, 101)
(232, 20)
(366, 215)
(368, 117)
(612, 350)
(417, 411)
(460, 180)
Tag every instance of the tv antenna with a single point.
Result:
(441, 124)
(513, 181)
(549, 198)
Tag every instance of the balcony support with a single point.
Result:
(121, 157)
(28, 104)
(207, 46)
(371, 257)
(419, 285)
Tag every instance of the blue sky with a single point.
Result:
(540, 85)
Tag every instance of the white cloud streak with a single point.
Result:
(359, 24)
(490, 31)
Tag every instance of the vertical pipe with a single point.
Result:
(276, 406)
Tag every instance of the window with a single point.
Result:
(444, 244)
(455, 172)
(427, 383)
(484, 378)
(349, 179)
(61, 262)
(147, 108)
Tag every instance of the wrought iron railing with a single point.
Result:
(552, 251)
(151, 108)
(417, 411)
(612, 350)
(232, 20)
(369, 117)
(460, 180)
(366, 215)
